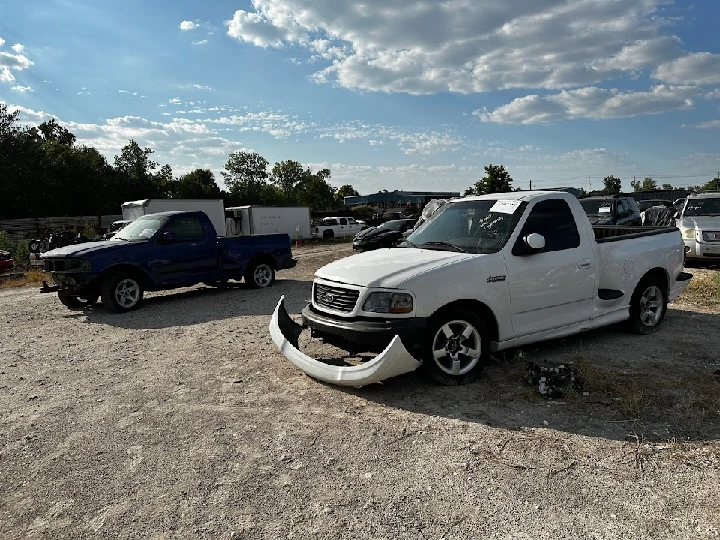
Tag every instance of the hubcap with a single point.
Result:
(457, 347)
(127, 293)
(651, 306)
(263, 275)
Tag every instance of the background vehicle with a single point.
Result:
(699, 223)
(115, 227)
(484, 274)
(214, 209)
(251, 220)
(614, 210)
(6, 261)
(332, 227)
(389, 234)
(162, 251)
(649, 203)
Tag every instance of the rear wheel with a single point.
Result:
(259, 275)
(648, 306)
(121, 292)
(456, 348)
(328, 234)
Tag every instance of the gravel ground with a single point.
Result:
(181, 420)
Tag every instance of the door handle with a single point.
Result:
(584, 264)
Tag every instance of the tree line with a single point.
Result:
(43, 172)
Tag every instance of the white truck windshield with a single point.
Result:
(471, 226)
(142, 228)
(703, 207)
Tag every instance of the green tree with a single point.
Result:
(198, 184)
(314, 190)
(496, 180)
(712, 185)
(246, 176)
(612, 185)
(286, 175)
(343, 191)
(667, 187)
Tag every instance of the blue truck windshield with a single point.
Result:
(142, 228)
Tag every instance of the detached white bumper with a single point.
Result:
(394, 360)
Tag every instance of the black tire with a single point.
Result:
(121, 292)
(74, 302)
(644, 318)
(468, 366)
(259, 275)
(34, 246)
(328, 234)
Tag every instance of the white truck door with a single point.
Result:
(553, 288)
(343, 227)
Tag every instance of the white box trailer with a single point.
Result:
(214, 208)
(252, 220)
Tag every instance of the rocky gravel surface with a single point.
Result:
(181, 420)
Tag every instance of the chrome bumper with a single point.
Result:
(394, 360)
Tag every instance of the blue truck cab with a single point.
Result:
(162, 251)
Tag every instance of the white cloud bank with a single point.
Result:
(186, 26)
(12, 62)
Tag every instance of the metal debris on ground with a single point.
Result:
(552, 380)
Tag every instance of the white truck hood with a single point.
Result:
(702, 223)
(387, 268)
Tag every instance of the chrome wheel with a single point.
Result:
(263, 275)
(457, 347)
(127, 293)
(651, 306)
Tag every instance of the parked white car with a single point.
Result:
(485, 274)
(699, 223)
(337, 227)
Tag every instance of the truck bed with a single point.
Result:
(609, 233)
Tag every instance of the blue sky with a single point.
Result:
(410, 94)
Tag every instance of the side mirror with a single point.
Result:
(535, 241)
(168, 238)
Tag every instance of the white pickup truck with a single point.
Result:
(337, 227)
(485, 274)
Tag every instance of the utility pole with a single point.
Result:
(530, 185)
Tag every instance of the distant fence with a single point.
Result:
(30, 228)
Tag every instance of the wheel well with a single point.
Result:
(478, 307)
(264, 257)
(657, 273)
(134, 271)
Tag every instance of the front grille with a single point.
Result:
(336, 298)
(711, 236)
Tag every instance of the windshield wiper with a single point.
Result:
(452, 247)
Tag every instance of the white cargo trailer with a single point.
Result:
(214, 208)
(252, 220)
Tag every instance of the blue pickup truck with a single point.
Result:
(162, 251)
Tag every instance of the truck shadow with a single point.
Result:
(657, 388)
(185, 307)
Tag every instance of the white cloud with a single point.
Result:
(22, 89)
(186, 26)
(715, 94)
(466, 46)
(591, 102)
(6, 75)
(698, 68)
(201, 87)
(18, 48)
(175, 101)
(2, 42)
(201, 42)
(710, 124)
(10, 62)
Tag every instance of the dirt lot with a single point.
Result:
(181, 420)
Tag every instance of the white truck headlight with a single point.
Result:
(381, 302)
(688, 234)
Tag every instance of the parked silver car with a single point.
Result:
(699, 223)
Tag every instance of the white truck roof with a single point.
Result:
(705, 195)
(518, 196)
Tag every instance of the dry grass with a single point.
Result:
(704, 289)
(30, 277)
(638, 396)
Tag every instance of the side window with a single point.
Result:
(186, 229)
(330, 222)
(555, 221)
(624, 209)
(351, 221)
(343, 221)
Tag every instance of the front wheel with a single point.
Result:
(457, 347)
(121, 292)
(259, 275)
(647, 307)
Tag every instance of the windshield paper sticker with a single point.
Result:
(505, 207)
(604, 210)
